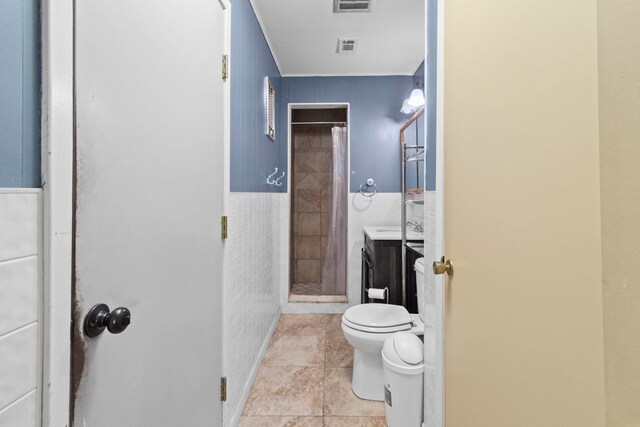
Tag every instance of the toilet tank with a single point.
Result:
(420, 285)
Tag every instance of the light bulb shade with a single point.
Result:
(406, 108)
(416, 99)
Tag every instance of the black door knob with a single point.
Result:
(99, 318)
(119, 319)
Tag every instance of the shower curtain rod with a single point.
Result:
(318, 123)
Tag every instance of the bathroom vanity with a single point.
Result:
(382, 264)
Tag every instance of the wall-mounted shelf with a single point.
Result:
(408, 154)
(418, 156)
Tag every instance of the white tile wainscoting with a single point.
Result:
(252, 254)
(430, 309)
(20, 305)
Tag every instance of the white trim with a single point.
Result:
(20, 190)
(235, 418)
(306, 307)
(226, 178)
(266, 36)
(41, 324)
(439, 412)
(57, 164)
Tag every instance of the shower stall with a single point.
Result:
(319, 191)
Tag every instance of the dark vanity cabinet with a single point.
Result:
(381, 268)
(412, 291)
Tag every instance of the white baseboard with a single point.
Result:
(235, 418)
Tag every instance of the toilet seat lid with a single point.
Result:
(373, 330)
(376, 315)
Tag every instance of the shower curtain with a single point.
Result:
(334, 271)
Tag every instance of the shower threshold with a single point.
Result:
(317, 298)
(312, 292)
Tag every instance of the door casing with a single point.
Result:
(57, 172)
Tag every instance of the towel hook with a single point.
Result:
(278, 183)
(370, 183)
(269, 180)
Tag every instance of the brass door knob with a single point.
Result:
(441, 267)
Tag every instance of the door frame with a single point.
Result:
(439, 411)
(57, 182)
(57, 142)
(285, 286)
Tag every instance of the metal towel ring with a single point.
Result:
(369, 183)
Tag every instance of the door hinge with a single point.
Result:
(225, 67)
(224, 227)
(223, 389)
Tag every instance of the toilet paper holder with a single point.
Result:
(376, 293)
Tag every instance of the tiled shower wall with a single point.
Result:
(19, 307)
(381, 209)
(312, 185)
(251, 290)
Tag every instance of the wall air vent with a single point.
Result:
(349, 6)
(346, 46)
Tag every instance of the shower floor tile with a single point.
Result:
(306, 289)
(305, 379)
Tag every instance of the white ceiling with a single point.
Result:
(303, 36)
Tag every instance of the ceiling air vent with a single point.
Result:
(348, 6)
(346, 46)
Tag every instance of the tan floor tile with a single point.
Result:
(286, 391)
(339, 351)
(269, 421)
(340, 400)
(301, 324)
(295, 350)
(355, 422)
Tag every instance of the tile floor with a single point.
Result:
(305, 379)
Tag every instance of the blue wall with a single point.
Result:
(431, 86)
(253, 153)
(19, 93)
(375, 121)
(375, 112)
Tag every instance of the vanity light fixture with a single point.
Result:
(406, 108)
(416, 99)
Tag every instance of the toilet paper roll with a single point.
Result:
(376, 293)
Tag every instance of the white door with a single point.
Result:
(149, 150)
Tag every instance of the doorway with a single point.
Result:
(318, 150)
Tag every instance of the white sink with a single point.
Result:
(390, 232)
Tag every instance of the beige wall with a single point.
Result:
(619, 78)
(522, 214)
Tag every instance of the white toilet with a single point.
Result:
(367, 326)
